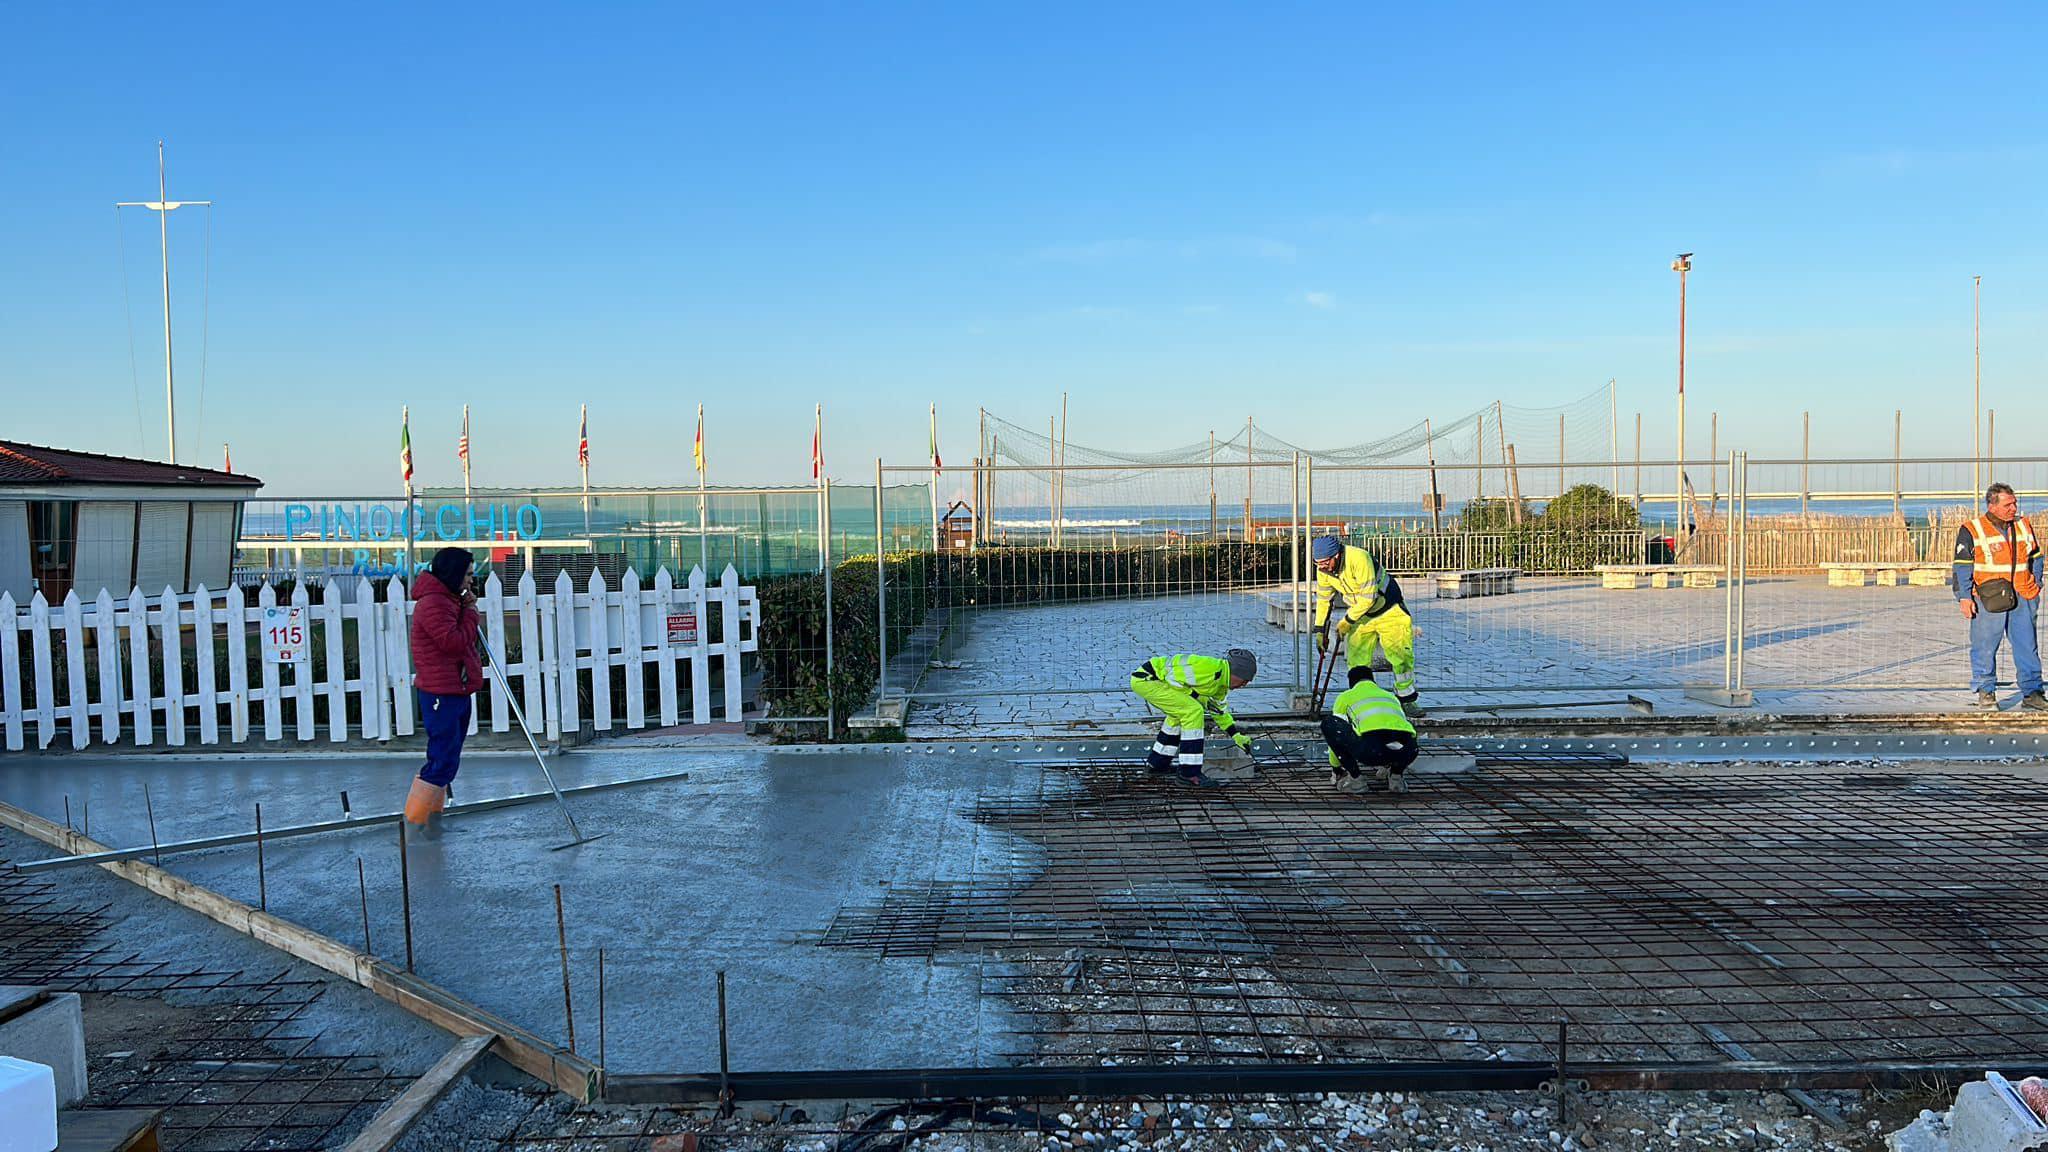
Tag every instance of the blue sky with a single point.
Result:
(1338, 219)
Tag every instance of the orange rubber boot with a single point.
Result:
(422, 804)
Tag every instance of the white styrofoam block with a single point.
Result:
(28, 1106)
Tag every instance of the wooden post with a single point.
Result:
(1514, 486)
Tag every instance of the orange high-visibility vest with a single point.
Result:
(1999, 557)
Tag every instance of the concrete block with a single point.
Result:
(1928, 577)
(1990, 1117)
(49, 1029)
(1888, 577)
(28, 1106)
(1618, 579)
(1845, 577)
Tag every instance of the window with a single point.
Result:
(52, 540)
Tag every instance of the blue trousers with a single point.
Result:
(2016, 627)
(447, 721)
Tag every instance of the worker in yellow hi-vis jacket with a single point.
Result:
(1190, 690)
(1374, 620)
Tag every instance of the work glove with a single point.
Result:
(1322, 639)
(1243, 741)
(1344, 627)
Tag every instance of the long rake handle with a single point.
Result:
(520, 715)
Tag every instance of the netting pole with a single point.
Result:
(1479, 458)
(1613, 441)
(1639, 465)
(881, 599)
(1062, 473)
(1436, 499)
(1898, 507)
(1212, 485)
(1560, 453)
(1714, 463)
(1052, 481)
(982, 478)
(1295, 541)
(1990, 444)
(1805, 458)
(1249, 535)
(989, 527)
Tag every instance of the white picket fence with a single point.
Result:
(557, 649)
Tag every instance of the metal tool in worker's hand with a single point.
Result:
(1326, 667)
(518, 714)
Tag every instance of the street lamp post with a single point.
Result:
(1681, 265)
(1977, 385)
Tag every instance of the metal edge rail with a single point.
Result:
(1269, 1079)
(549, 1063)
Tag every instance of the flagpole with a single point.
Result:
(405, 519)
(935, 478)
(583, 461)
(703, 516)
(468, 508)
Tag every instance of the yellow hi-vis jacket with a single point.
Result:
(1206, 678)
(1361, 581)
(1367, 707)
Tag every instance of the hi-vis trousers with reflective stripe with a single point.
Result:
(1392, 631)
(1179, 743)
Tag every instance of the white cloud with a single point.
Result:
(1323, 300)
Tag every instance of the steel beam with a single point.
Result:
(1263, 1079)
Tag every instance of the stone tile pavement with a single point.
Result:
(1808, 649)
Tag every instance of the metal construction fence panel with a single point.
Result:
(1070, 578)
(1714, 574)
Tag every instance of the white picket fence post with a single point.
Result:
(10, 670)
(560, 634)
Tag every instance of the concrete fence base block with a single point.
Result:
(47, 1028)
(1988, 1116)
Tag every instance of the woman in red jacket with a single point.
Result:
(447, 671)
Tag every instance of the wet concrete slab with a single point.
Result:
(738, 869)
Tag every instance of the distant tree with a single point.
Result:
(1490, 514)
(1589, 507)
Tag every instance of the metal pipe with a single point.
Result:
(149, 809)
(363, 895)
(405, 895)
(1041, 1081)
(725, 1094)
(262, 886)
(562, 941)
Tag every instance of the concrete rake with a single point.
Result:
(520, 715)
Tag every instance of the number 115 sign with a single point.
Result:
(284, 635)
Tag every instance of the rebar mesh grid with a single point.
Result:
(241, 1072)
(1663, 914)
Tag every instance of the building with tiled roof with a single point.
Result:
(83, 521)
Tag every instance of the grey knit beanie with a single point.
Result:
(1243, 665)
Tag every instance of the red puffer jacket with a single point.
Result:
(444, 656)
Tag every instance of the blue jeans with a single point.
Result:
(447, 722)
(2016, 626)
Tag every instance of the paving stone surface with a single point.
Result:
(1807, 648)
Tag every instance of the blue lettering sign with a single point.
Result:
(294, 515)
(526, 533)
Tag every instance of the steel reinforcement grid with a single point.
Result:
(1662, 914)
(240, 1071)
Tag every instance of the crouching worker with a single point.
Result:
(1366, 728)
(1188, 689)
(447, 672)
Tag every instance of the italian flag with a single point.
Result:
(405, 445)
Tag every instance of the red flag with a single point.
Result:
(227, 460)
(462, 445)
(583, 440)
(817, 455)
